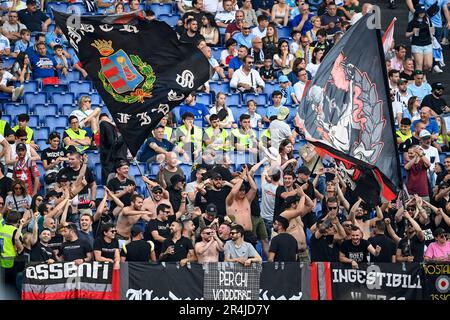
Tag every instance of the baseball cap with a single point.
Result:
(176, 178)
(62, 177)
(283, 113)
(416, 72)
(283, 78)
(424, 134)
(439, 231)
(156, 189)
(136, 230)
(272, 153)
(437, 85)
(211, 209)
(304, 170)
(420, 9)
(21, 146)
(122, 163)
(216, 175)
(31, 2)
(402, 80)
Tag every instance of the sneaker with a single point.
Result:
(15, 94)
(445, 42)
(22, 91)
(436, 69)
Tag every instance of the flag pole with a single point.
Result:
(142, 175)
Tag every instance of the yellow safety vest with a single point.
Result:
(7, 249)
(168, 133)
(402, 136)
(80, 135)
(29, 133)
(265, 134)
(2, 127)
(223, 138)
(243, 139)
(196, 138)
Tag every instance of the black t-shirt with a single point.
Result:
(279, 202)
(309, 191)
(51, 155)
(409, 77)
(388, 248)
(309, 220)
(218, 198)
(106, 248)
(224, 172)
(8, 130)
(194, 40)
(40, 253)
(83, 196)
(413, 247)
(174, 198)
(285, 247)
(424, 37)
(56, 242)
(139, 250)
(72, 250)
(115, 185)
(357, 253)
(324, 249)
(5, 186)
(436, 104)
(163, 231)
(181, 249)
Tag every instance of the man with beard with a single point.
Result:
(434, 100)
(85, 233)
(388, 247)
(158, 196)
(283, 247)
(121, 185)
(41, 252)
(73, 248)
(411, 247)
(209, 248)
(128, 217)
(324, 243)
(177, 248)
(356, 250)
(215, 191)
(360, 217)
(283, 192)
(402, 94)
(138, 249)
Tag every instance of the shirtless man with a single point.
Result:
(128, 218)
(357, 215)
(158, 195)
(208, 249)
(296, 207)
(238, 202)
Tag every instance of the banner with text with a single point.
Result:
(61, 281)
(437, 279)
(231, 281)
(383, 281)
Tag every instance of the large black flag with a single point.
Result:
(139, 68)
(346, 113)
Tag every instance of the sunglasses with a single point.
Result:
(87, 100)
(17, 188)
(441, 236)
(347, 225)
(410, 209)
(39, 199)
(157, 192)
(332, 208)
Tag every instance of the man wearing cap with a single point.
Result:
(419, 88)
(33, 18)
(177, 196)
(11, 157)
(158, 196)
(287, 91)
(303, 175)
(435, 101)
(216, 191)
(402, 96)
(208, 218)
(209, 248)
(155, 148)
(283, 246)
(440, 249)
(138, 249)
(279, 129)
(26, 170)
(411, 247)
(121, 186)
(238, 201)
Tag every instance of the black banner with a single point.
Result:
(65, 280)
(145, 281)
(139, 68)
(383, 281)
(346, 112)
(437, 278)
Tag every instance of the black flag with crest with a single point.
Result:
(346, 113)
(139, 67)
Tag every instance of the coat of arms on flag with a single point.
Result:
(119, 74)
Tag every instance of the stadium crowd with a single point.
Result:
(224, 176)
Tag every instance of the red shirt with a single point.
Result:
(417, 179)
(26, 170)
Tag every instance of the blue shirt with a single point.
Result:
(432, 126)
(199, 111)
(244, 41)
(420, 92)
(53, 38)
(37, 64)
(436, 20)
(235, 63)
(145, 152)
(272, 111)
(306, 26)
(21, 46)
(287, 94)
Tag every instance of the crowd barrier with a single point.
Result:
(232, 281)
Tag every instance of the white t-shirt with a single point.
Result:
(81, 115)
(190, 187)
(258, 33)
(225, 17)
(6, 76)
(397, 107)
(229, 119)
(211, 6)
(433, 155)
(312, 68)
(4, 43)
(299, 87)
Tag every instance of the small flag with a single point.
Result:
(388, 37)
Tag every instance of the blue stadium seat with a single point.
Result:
(58, 6)
(41, 133)
(42, 143)
(78, 8)
(261, 110)
(100, 191)
(93, 158)
(61, 98)
(7, 62)
(31, 86)
(259, 98)
(95, 97)
(292, 112)
(77, 87)
(153, 168)
(170, 19)
(219, 86)
(233, 98)
(48, 109)
(187, 169)
(270, 87)
(98, 173)
(60, 130)
(133, 169)
(176, 113)
(40, 167)
(204, 98)
(56, 121)
(31, 98)
(161, 8)
(66, 109)
(50, 88)
(216, 52)
(51, 28)
(34, 121)
(237, 112)
(284, 32)
(126, 7)
(74, 75)
(15, 108)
